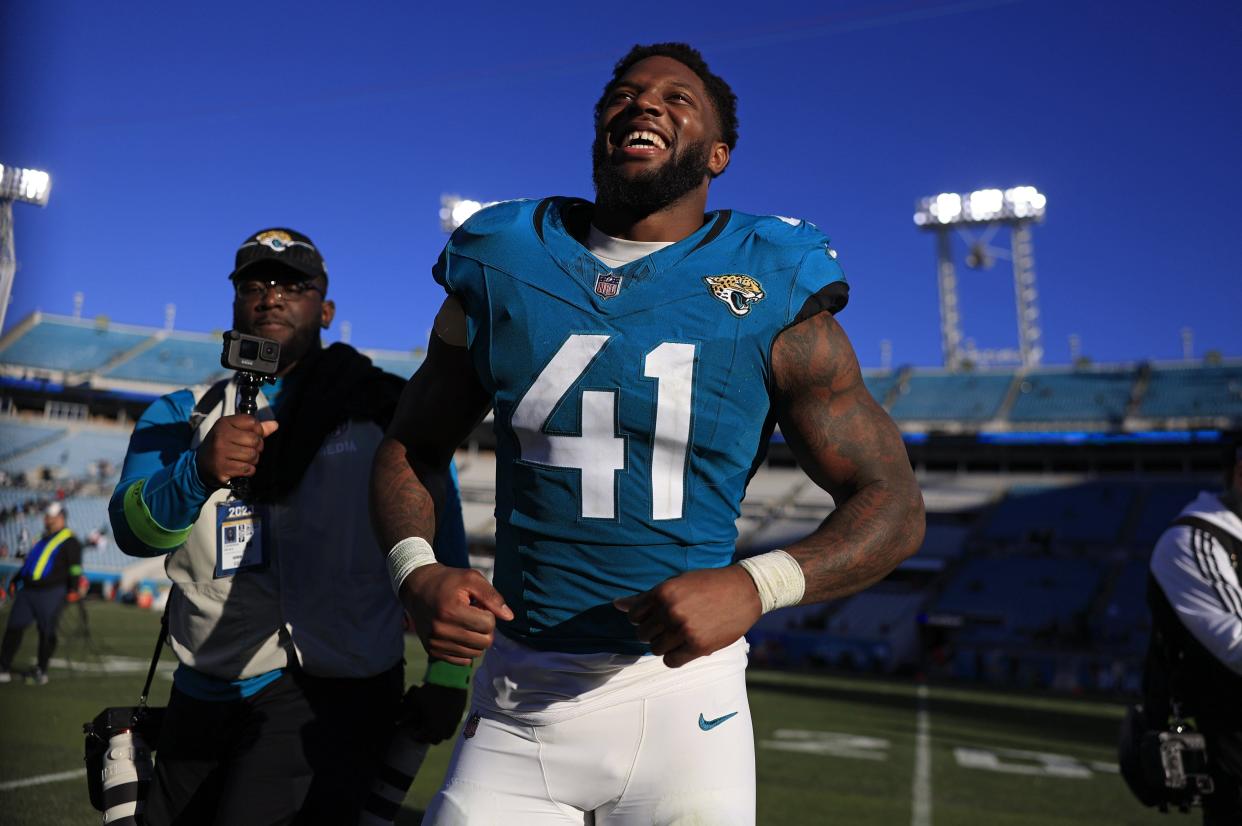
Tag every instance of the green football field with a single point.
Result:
(831, 750)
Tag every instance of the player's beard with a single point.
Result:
(651, 191)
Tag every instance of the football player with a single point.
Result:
(637, 354)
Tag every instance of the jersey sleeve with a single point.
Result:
(1200, 583)
(491, 233)
(819, 284)
(160, 493)
(475, 241)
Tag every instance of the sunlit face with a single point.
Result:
(657, 138)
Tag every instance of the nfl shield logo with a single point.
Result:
(472, 725)
(607, 284)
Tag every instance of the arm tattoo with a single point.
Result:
(850, 447)
(402, 505)
(440, 406)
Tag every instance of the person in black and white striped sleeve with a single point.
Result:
(1196, 603)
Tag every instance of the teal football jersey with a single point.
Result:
(631, 405)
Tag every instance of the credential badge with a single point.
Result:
(607, 284)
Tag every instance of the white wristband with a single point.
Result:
(778, 578)
(408, 554)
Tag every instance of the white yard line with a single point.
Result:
(920, 792)
(41, 779)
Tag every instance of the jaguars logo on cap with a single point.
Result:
(275, 240)
(738, 292)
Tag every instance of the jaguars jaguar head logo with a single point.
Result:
(737, 292)
(275, 239)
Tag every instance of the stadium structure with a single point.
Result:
(1045, 488)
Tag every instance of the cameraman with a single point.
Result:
(1196, 653)
(283, 618)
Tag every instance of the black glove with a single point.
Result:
(432, 712)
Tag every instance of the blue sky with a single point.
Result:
(173, 134)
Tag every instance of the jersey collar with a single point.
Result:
(560, 222)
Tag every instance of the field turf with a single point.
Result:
(831, 750)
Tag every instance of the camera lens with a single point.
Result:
(269, 351)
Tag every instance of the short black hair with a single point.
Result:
(723, 99)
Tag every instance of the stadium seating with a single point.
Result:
(1088, 514)
(965, 397)
(944, 541)
(1022, 594)
(17, 436)
(1162, 505)
(68, 344)
(1087, 397)
(400, 364)
(179, 361)
(881, 384)
(875, 614)
(1125, 615)
(74, 454)
(1193, 392)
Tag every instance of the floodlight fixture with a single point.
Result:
(455, 210)
(17, 185)
(975, 216)
(983, 206)
(30, 186)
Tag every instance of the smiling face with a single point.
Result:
(293, 319)
(657, 138)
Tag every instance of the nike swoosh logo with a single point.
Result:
(708, 725)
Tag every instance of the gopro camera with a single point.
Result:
(250, 354)
(256, 361)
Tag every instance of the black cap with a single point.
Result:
(280, 246)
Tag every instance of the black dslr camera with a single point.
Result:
(118, 760)
(256, 360)
(1164, 767)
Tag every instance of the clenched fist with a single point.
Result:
(454, 611)
(232, 449)
(693, 614)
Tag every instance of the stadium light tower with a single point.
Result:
(454, 210)
(987, 211)
(30, 186)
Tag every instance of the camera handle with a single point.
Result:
(248, 385)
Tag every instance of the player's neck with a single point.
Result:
(678, 220)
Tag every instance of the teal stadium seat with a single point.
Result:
(68, 345)
(1095, 398)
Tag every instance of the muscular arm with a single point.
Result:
(454, 610)
(440, 406)
(850, 447)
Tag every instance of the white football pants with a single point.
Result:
(680, 758)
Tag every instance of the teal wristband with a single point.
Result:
(447, 675)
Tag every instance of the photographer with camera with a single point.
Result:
(1194, 666)
(282, 614)
(49, 575)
